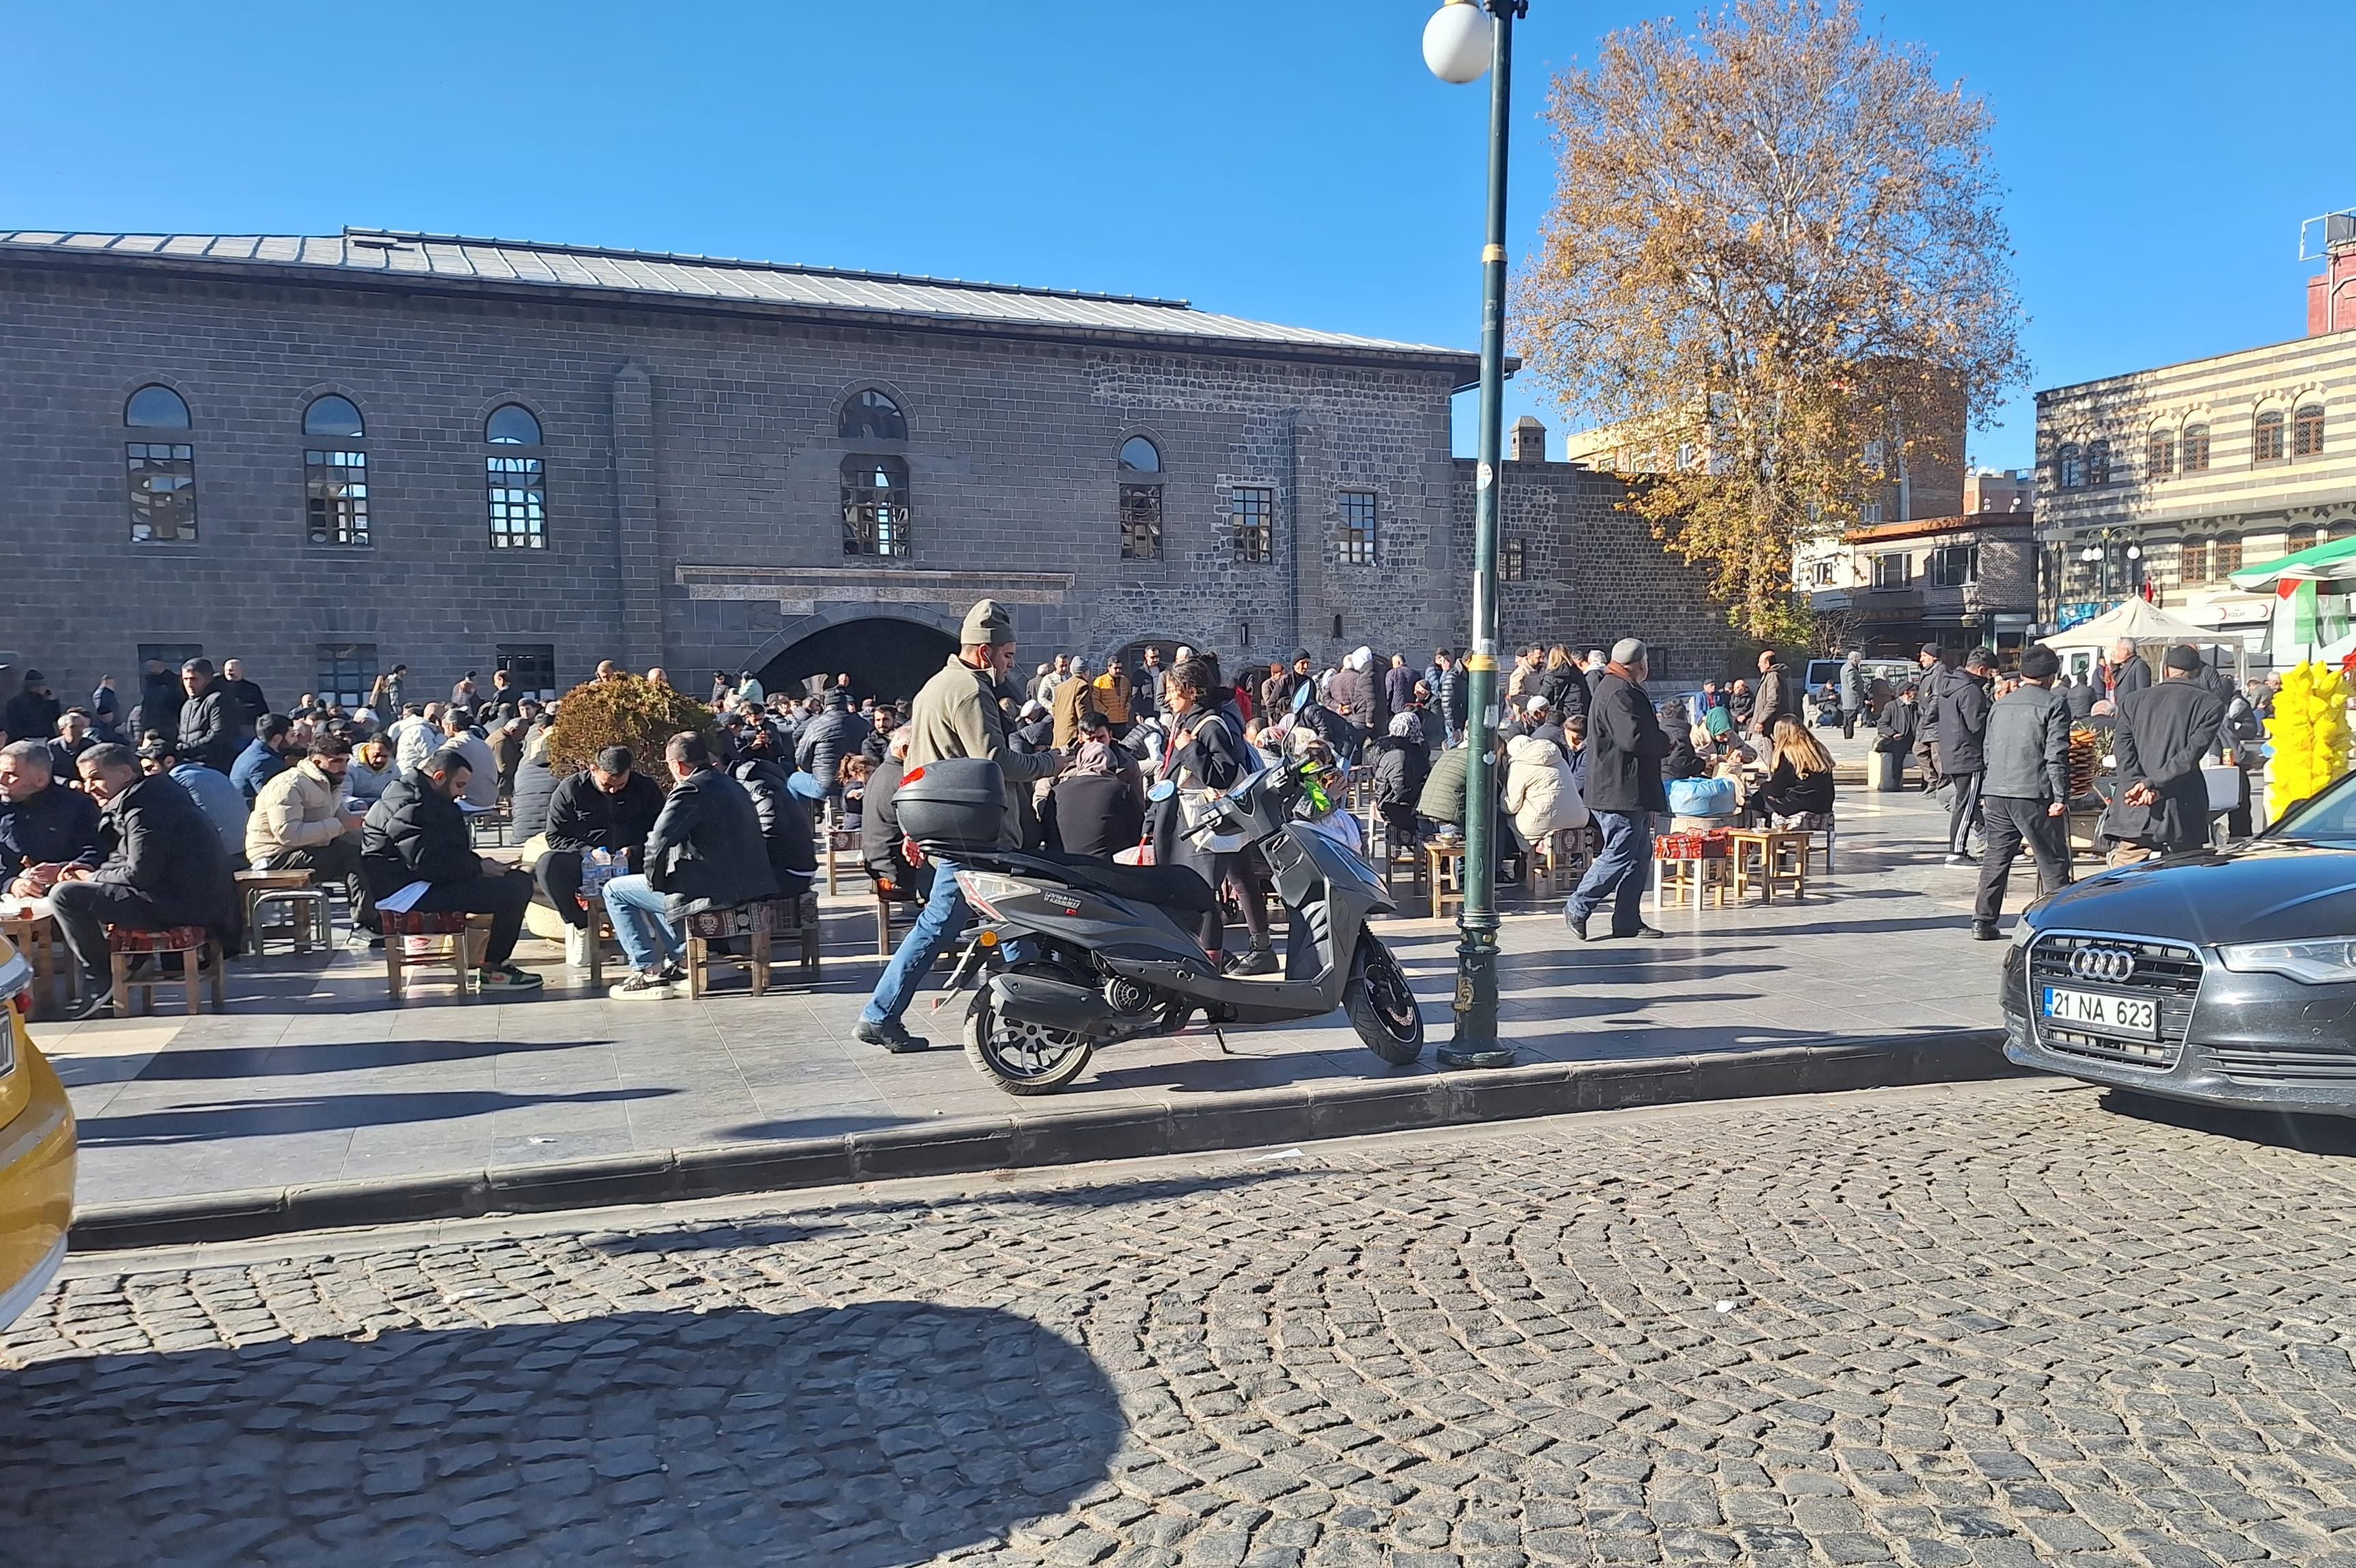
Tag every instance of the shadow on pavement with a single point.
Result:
(2280, 1129)
(870, 1436)
(319, 1112)
(191, 1060)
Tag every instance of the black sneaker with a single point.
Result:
(892, 1035)
(97, 1002)
(1577, 925)
(1986, 931)
(508, 977)
(1257, 961)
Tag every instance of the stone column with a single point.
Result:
(638, 532)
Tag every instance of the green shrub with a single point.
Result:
(627, 712)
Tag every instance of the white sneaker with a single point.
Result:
(643, 988)
(576, 948)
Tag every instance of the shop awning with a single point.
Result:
(2331, 561)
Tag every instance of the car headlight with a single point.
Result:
(2023, 933)
(2326, 962)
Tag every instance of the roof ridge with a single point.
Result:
(353, 231)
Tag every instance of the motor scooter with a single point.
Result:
(1074, 953)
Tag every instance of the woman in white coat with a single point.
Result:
(1541, 796)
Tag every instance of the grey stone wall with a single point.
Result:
(1595, 574)
(678, 438)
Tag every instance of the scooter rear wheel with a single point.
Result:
(1381, 1004)
(1022, 1058)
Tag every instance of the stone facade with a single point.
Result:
(693, 468)
(1961, 582)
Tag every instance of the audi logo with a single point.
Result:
(2116, 964)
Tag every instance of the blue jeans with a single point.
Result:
(943, 917)
(641, 924)
(1619, 874)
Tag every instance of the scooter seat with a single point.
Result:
(1181, 890)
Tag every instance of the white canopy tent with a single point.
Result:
(2130, 621)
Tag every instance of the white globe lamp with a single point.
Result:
(1456, 42)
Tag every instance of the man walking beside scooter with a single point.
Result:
(1625, 744)
(956, 714)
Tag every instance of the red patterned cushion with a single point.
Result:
(421, 922)
(176, 939)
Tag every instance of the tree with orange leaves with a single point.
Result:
(1776, 262)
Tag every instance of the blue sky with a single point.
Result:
(1291, 163)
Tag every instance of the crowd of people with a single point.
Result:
(140, 814)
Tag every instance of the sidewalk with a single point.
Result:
(311, 1078)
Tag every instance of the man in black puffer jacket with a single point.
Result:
(783, 807)
(828, 739)
(207, 726)
(158, 864)
(706, 853)
(415, 833)
(606, 806)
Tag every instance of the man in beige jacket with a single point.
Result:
(299, 822)
(955, 715)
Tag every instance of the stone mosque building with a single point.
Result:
(331, 455)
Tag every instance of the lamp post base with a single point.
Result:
(1476, 1043)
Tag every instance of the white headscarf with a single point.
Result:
(1360, 659)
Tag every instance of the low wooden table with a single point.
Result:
(1783, 860)
(34, 934)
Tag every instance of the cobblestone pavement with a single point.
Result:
(2005, 1324)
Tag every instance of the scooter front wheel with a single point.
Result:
(1381, 1004)
(1022, 1058)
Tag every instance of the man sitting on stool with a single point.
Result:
(604, 806)
(299, 823)
(44, 827)
(415, 833)
(158, 864)
(705, 853)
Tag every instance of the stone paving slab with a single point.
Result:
(311, 1079)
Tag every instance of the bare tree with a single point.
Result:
(1775, 260)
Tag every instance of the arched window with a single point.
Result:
(2159, 461)
(335, 479)
(155, 407)
(1140, 499)
(2307, 431)
(2297, 540)
(2192, 450)
(332, 415)
(875, 506)
(2098, 463)
(2343, 529)
(871, 416)
(2267, 438)
(515, 486)
(2069, 466)
(512, 424)
(2224, 559)
(161, 475)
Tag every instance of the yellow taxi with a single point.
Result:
(37, 1150)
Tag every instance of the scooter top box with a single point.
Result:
(952, 807)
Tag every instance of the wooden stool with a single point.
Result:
(601, 926)
(1782, 860)
(197, 952)
(747, 922)
(1684, 881)
(36, 937)
(455, 939)
(252, 885)
(889, 896)
(794, 920)
(1444, 870)
(838, 840)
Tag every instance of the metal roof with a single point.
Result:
(366, 253)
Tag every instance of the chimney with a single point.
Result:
(1529, 440)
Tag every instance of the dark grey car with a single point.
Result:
(2227, 977)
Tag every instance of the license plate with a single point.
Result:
(2098, 1013)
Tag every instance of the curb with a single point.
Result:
(1246, 1119)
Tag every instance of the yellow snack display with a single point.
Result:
(2309, 732)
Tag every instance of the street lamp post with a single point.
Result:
(1463, 39)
